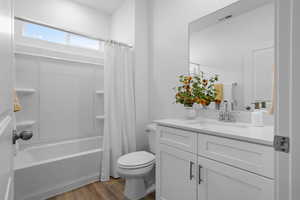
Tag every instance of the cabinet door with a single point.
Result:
(217, 181)
(175, 174)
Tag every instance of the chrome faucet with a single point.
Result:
(226, 115)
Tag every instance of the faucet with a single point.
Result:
(226, 115)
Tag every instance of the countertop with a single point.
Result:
(239, 131)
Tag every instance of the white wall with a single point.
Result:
(123, 22)
(169, 51)
(130, 25)
(65, 14)
(142, 70)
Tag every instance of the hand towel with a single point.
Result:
(219, 91)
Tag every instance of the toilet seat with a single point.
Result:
(136, 160)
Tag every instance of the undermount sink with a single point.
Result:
(231, 124)
(213, 123)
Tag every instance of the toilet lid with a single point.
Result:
(136, 159)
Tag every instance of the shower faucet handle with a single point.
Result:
(24, 135)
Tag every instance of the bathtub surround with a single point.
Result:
(59, 110)
(119, 107)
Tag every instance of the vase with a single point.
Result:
(204, 107)
(190, 113)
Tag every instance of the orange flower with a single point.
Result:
(217, 101)
(203, 102)
(187, 87)
(205, 82)
(197, 100)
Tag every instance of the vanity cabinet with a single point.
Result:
(196, 166)
(218, 181)
(177, 174)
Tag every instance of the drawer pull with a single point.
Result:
(191, 170)
(199, 168)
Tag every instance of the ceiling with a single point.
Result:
(108, 6)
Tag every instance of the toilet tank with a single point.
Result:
(151, 131)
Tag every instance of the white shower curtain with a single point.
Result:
(119, 107)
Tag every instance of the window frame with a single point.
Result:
(36, 47)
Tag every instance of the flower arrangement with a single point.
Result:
(195, 89)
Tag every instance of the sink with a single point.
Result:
(230, 124)
(214, 123)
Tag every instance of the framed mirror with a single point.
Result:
(237, 44)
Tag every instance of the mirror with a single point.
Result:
(237, 44)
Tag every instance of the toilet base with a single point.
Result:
(135, 188)
(139, 180)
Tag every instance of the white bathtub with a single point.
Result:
(47, 170)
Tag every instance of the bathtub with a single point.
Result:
(47, 170)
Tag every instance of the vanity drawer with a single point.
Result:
(184, 140)
(255, 158)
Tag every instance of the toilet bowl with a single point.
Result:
(137, 168)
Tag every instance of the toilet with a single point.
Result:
(138, 169)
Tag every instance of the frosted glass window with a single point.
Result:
(40, 32)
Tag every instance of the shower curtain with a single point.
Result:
(119, 107)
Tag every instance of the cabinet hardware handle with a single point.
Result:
(191, 170)
(199, 168)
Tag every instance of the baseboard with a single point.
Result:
(63, 188)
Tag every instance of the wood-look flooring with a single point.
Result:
(111, 190)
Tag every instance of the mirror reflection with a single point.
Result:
(237, 44)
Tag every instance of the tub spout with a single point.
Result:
(24, 135)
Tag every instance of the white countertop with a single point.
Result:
(239, 131)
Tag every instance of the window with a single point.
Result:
(79, 41)
(60, 37)
(44, 33)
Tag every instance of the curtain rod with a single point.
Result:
(69, 31)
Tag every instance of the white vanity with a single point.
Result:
(211, 160)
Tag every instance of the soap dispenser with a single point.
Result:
(257, 116)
